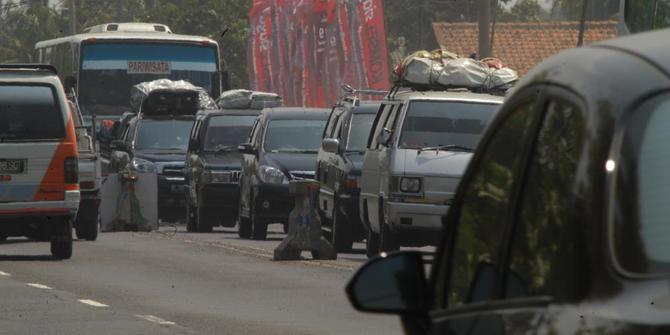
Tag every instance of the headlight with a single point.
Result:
(271, 175)
(410, 184)
(143, 165)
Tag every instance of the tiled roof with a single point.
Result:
(521, 45)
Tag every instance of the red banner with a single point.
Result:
(305, 50)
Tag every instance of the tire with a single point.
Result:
(191, 218)
(61, 240)
(243, 224)
(204, 221)
(388, 241)
(372, 244)
(87, 229)
(259, 229)
(341, 235)
(3, 238)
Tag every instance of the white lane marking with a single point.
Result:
(155, 319)
(92, 303)
(5, 274)
(40, 286)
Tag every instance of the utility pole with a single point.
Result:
(484, 13)
(73, 17)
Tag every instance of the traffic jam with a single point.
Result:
(459, 190)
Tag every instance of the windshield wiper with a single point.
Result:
(225, 148)
(449, 147)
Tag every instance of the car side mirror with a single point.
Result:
(385, 137)
(390, 284)
(118, 145)
(247, 148)
(331, 145)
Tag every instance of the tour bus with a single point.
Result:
(105, 61)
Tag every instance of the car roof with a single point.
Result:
(301, 113)
(367, 107)
(446, 95)
(28, 75)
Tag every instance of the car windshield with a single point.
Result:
(227, 131)
(293, 135)
(29, 113)
(163, 135)
(432, 124)
(359, 131)
(641, 229)
(109, 71)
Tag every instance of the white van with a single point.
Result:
(418, 149)
(39, 182)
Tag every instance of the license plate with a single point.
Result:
(177, 188)
(12, 165)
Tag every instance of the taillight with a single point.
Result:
(351, 183)
(71, 170)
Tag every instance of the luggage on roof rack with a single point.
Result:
(246, 99)
(164, 97)
(441, 69)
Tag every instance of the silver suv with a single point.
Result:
(418, 149)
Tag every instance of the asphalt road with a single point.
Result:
(173, 282)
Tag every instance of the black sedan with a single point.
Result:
(559, 225)
(283, 146)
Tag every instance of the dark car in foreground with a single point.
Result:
(338, 168)
(282, 147)
(213, 167)
(560, 223)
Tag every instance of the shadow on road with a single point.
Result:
(24, 258)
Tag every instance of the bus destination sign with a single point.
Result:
(149, 67)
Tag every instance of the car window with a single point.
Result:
(359, 130)
(293, 135)
(380, 120)
(485, 205)
(438, 123)
(225, 132)
(545, 255)
(29, 112)
(641, 230)
(391, 120)
(338, 126)
(332, 122)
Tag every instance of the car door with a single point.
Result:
(371, 170)
(248, 168)
(191, 168)
(546, 272)
(387, 154)
(537, 262)
(469, 261)
(323, 167)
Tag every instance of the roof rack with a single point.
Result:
(42, 67)
(352, 95)
(398, 87)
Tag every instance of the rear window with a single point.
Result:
(225, 132)
(29, 112)
(641, 227)
(440, 123)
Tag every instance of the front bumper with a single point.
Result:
(37, 209)
(171, 197)
(405, 216)
(273, 203)
(224, 198)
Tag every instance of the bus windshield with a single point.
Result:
(109, 70)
